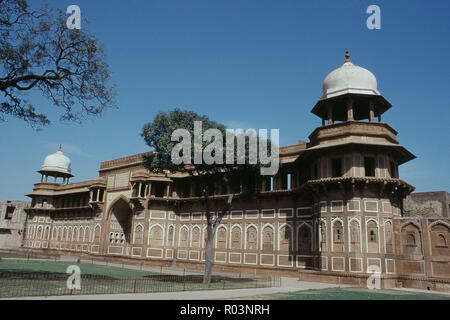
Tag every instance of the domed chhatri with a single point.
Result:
(56, 165)
(350, 93)
(349, 78)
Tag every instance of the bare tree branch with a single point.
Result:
(38, 51)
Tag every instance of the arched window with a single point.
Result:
(64, 234)
(97, 234)
(251, 238)
(236, 238)
(87, 234)
(285, 234)
(355, 242)
(441, 241)
(82, 234)
(156, 236)
(411, 240)
(388, 232)
(138, 234)
(196, 241)
(221, 238)
(338, 236)
(440, 233)
(304, 239)
(39, 233)
(337, 232)
(69, 234)
(47, 233)
(372, 236)
(184, 236)
(267, 238)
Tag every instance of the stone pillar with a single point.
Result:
(426, 239)
(192, 192)
(350, 110)
(323, 122)
(330, 115)
(371, 112)
(379, 118)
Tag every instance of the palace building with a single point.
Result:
(334, 212)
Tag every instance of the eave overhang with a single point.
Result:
(321, 107)
(400, 153)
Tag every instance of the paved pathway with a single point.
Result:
(421, 291)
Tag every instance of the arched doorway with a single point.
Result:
(118, 235)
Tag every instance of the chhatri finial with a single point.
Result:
(347, 56)
(60, 147)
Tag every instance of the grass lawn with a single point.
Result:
(55, 268)
(42, 278)
(352, 293)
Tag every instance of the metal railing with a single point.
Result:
(45, 284)
(14, 254)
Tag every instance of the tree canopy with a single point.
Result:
(157, 134)
(39, 53)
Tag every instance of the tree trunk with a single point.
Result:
(210, 232)
(209, 254)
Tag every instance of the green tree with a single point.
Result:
(243, 178)
(67, 66)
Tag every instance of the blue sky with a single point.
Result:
(257, 64)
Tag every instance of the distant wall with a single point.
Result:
(12, 223)
(427, 204)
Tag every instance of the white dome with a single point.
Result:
(349, 79)
(57, 162)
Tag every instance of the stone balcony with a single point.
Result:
(353, 131)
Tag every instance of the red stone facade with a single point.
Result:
(334, 212)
